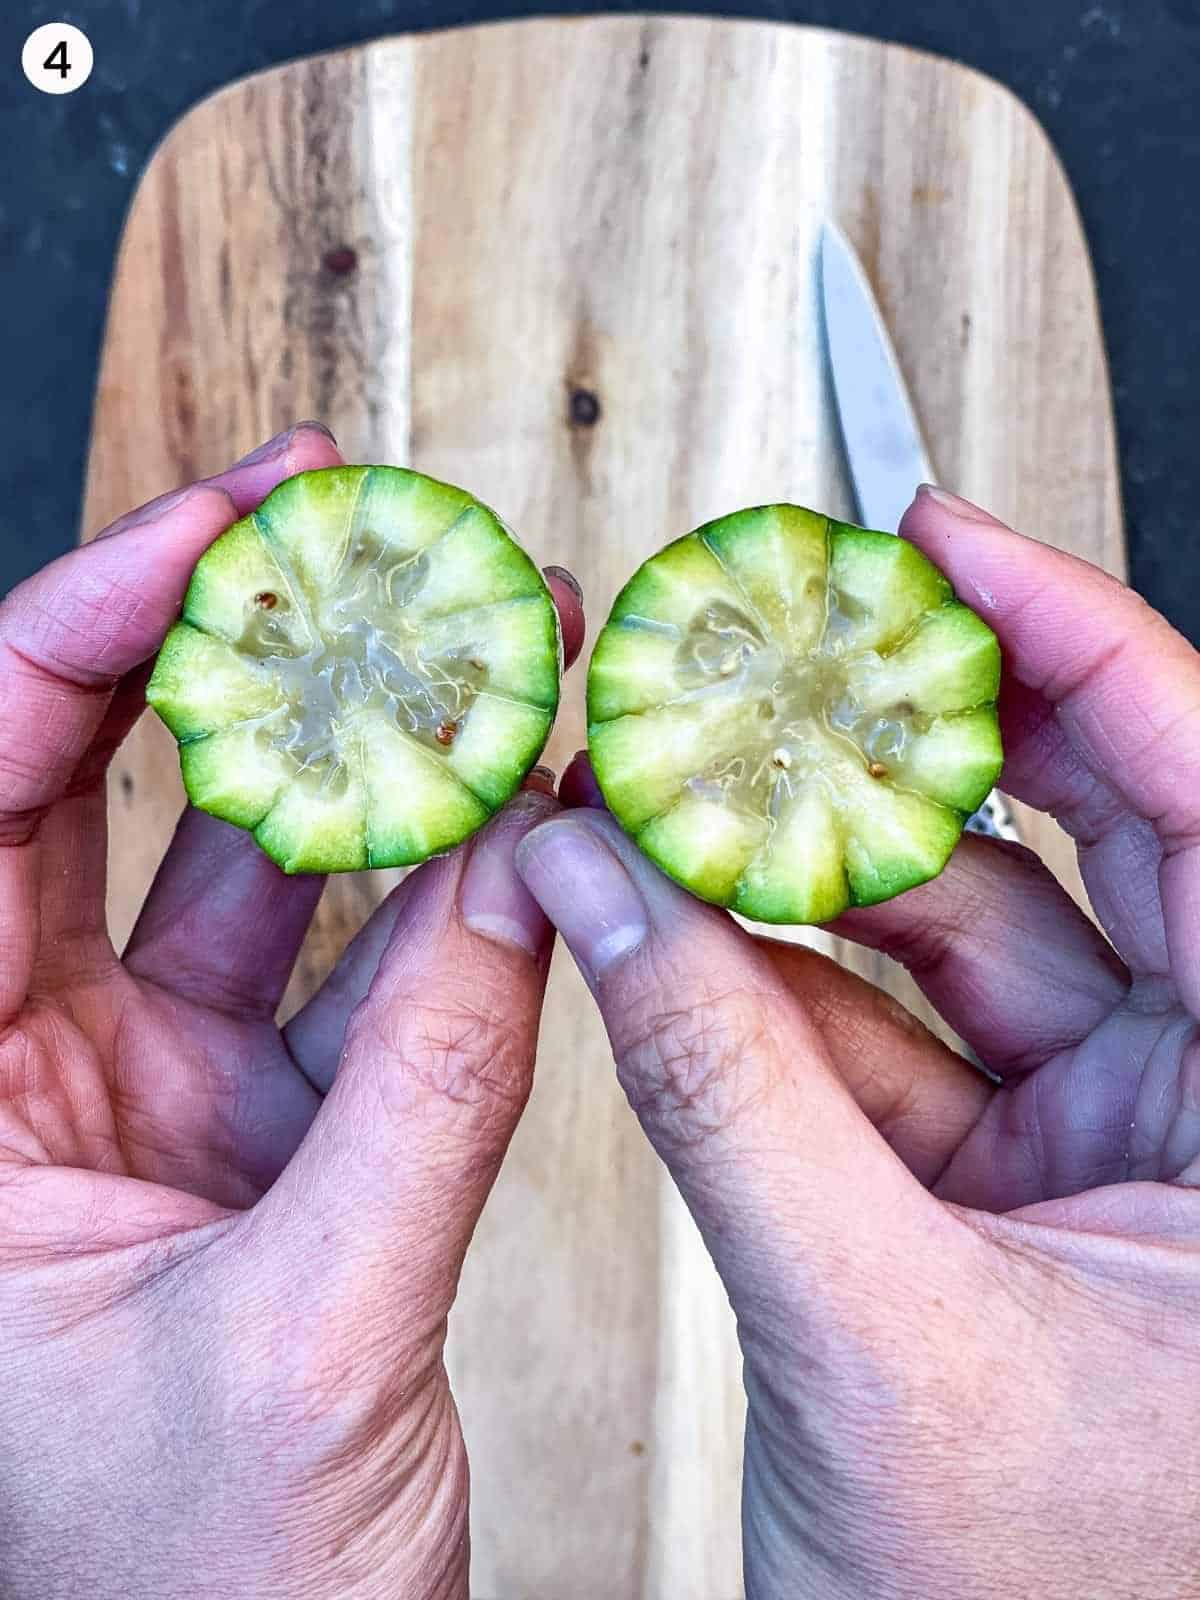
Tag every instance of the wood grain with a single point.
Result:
(432, 243)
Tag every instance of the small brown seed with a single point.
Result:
(476, 663)
(877, 769)
(445, 732)
(266, 601)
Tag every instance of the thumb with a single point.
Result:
(376, 1209)
(785, 1176)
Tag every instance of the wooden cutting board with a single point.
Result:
(570, 264)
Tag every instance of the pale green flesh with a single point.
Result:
(791, 715)
(365, 669)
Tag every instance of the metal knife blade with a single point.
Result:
(885, 451)
(884, 447)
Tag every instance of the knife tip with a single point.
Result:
(833, 250)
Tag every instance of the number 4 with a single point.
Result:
(57, 61)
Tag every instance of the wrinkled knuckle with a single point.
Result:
(448, 1054)
(686, 1066)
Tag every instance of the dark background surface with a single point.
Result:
(1115, 82)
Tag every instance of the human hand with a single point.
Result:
(227, 1254)
(970, 1315)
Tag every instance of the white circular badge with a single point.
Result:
(57, 58)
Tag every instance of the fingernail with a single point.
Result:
(494, 902)
(264, 452)
(954, 503)
(277, 445)
(569, 578)
(579, 786)
(311, 422)
(147, 513)
(585, 892)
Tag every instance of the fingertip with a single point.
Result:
(578, 786)
(565, 577)
(311, 445)
(1055, 613)
(568, 597)
(953, 505)
(304, 447)
(494, 900)
(993, 568)
(585, 890)
(939, 522)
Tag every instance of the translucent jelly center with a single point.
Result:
(802, 715)
(355, 650)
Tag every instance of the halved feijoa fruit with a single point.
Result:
(792, 715)
(365, 669)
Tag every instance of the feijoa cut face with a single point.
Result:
(792, 715)
(365, 669)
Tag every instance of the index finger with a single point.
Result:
(1107, 729)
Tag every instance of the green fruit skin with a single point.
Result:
(862, 558)
(243, 557)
